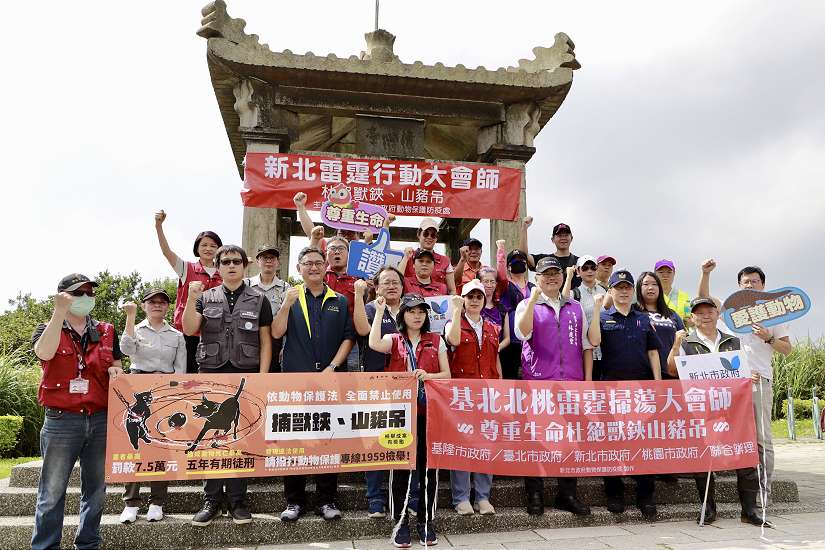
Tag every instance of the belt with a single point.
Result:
(81, 412)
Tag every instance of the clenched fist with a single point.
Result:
(300, 199)
(129, 308)
(317, 233)
(290, 297)
(500, 244)
(195, 290)
(63, 301)
(160, 217)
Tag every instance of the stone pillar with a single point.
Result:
(510, 156)
(266, 225)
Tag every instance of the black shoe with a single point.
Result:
(240, 514)
(535, 504)
(755, 519)
(710, 514)
(209, 512)
(615, 505)
(648, 511)
(572, 504)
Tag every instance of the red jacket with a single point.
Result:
(468, 360)
(60, 369)
(426, 353)
(194, 272)
(342, 284)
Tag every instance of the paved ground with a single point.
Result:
(804, 461)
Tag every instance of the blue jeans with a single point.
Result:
(376, 492)
(354, 359)
(460, 484)
(65, 438)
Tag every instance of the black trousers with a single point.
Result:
(747, 485)
(326, 489)
(511, 361)
(566, 485)
(597, 369)
(401, 480)
(232, 490)
(645, 485)
(191, 353)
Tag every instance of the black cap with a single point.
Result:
(471, 241)
(514, 254)
(268, 248)
(423, 252)
(548, 262)
(696, 302)
(410, 301)
(621, 276)
(152, 292)
(73, 282)
(561, 228)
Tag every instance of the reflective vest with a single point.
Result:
(682, 302)
(426, 353)
(194, 272)
(231, 336)
(468, 359)
(63, 367)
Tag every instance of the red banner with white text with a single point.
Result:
(580, 429)
(403, 187)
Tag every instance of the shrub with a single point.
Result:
(802, 408)
(19, 381)
(9, 428)
(801, 370)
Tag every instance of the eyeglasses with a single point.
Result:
(551, 273)
(588, 268)
(77, 293)
(267, 258)
(390, 282)
(336, 248)
(231, 261)
(312, 264)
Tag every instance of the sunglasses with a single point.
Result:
(232, 261)
(588, 267)
(78, 293)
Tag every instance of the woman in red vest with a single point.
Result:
(413, 349)
(473, 353)
(204, 270)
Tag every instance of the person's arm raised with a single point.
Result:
(170, 256)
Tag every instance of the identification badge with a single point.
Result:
(78, 385)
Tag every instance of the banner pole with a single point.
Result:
(705, 503)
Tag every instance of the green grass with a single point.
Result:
(804, 429)
(7, 463)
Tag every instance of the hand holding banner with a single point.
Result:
(744, 308)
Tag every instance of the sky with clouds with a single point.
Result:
(691, 131)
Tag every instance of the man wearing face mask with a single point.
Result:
(518, 288)
(79, 355)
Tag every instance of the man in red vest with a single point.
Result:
(78, 355)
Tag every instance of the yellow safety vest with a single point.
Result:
(302, 300)
(682, 302)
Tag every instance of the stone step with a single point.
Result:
(269, 497)
(177, 532)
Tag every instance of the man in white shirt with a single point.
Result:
(268, 258)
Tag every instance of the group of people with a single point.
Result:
(580, 321)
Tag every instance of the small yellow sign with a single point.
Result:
(396, 438)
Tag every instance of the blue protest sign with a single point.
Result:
(745, 307)
(366, 259)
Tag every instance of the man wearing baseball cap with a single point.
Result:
(562, 237)
(469, 263)
(676, 299)
(442, 267)
(604, 269)
(630, 351)
(707, 338)
(423, 281)
(268, 258)
(556, 353)
(79, 355)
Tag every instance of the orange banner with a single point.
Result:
(578, 429)
(166, 427)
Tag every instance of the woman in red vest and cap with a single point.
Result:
(473, 353)
(413, 349)
(204, 270)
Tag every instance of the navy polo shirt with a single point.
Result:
(375, 361)
(625, 343)
(311, 342)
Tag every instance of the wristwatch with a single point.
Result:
(334, 366)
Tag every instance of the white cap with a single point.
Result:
(474, 284)
(427, 223)
(584, 259)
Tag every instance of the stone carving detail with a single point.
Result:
(379, 46)
(216, 23)
(560, 54)
(245, 105)
(521, 123)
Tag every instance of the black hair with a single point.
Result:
(212, 235)
(310, 250)
(402, 326)
(748, 270)
(661, 306)
(230, 248)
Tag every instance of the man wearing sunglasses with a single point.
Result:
(234, 322)
(79, 356)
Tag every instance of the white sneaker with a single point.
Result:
(464, 508)
(155, 513)
(129, 514)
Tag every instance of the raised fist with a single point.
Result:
(457, 302)
(195, 290)
(708, 265)
(598, 299)
(291, 296)
(535, 294)
(465, 251)
(160, 217)
(360, 287)
(380, 306)
(680, 335)
(63, 301)
(409, 252)
(571, 271)
(300, 199)
(317, 233)
(527, 221)
(129, 308)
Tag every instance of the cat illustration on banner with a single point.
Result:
(340, 211)
(223, 416)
